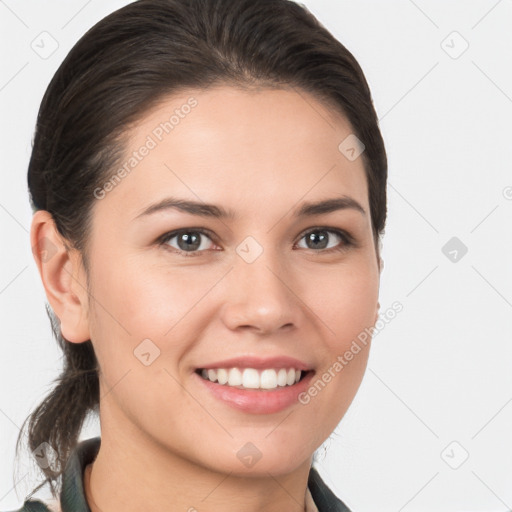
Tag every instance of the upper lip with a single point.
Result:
(259, 363)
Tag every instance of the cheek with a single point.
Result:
(136, 302)
(345, 301)
(148, 301)
(142, 323)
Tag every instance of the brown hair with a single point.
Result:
(119, 69)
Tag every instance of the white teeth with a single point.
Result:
(235, 377)
(222, 376)
(268, 379)
(251, 378)
(282, 375)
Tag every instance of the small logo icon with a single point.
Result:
(249, 249)
(454, 249)
(46, 457)
(454, 45)
(249, 455)
(146, 352)
(507, 193)
(455, 455)
(45, 45)
(46, 248)
(351, 147)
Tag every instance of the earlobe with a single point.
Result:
(62, 275)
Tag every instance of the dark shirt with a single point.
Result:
(72, 496)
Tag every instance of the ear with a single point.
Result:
(63, 277)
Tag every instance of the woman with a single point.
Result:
(208, 182)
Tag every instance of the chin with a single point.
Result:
(258, 459)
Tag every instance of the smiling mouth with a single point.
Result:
(256, 379)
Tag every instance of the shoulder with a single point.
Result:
(33, 505)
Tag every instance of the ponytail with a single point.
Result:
(55, 425)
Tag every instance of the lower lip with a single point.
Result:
(258, 401)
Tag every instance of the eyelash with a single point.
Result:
(347, 240)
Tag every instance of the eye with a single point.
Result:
(190, 241)
(320, 237)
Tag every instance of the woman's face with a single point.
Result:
(268, 286)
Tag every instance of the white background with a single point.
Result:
(441, 371)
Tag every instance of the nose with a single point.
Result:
(261, 296)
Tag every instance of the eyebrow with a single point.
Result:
(211, 210)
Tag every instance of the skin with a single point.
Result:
(167, 444)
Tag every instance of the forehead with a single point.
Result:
(249, 148)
